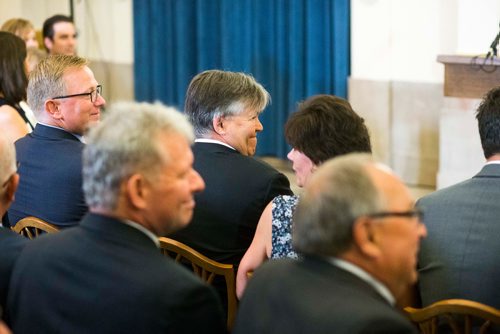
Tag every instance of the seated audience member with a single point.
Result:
(360, 247)
(59, 35)
(224, 108)
(325, 126)
(14, 122)
(107, 275)
(22, 28)
(66, 99)
(461, 257)
(10, 242)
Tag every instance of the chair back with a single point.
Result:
(204, 268)
(32, 227)
(459, 314)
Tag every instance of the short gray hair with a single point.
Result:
(46, 79)
(7, 159)
(124, 144)
(339, 192)
(221, 93)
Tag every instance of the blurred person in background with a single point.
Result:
(23, 29)
(59, 35)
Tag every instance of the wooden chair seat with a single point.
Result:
(32, 227)
(204, 268)
(459, 314)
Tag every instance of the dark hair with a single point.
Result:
(48, 25)
(488, 121)
(325, 126)
(13, 79)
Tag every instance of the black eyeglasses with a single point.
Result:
(93, 94)
(416, 213)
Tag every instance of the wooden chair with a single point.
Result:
(32, 227)
(459, 314)
(204, 268)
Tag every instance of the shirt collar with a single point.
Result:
(144, 230)
(357, 271)
(213, 141)
(79, 137)
(493, 162)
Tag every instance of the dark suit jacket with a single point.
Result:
(11, 245)
(460, 258)
(314, 296)
(238, 188)
(50, 172)
(106, 277)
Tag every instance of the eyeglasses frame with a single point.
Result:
(98, 89)
(415, 213)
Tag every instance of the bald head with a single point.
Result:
(360, 211)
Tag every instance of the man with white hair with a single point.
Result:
(11, 243)
(359, 232)
(107, 275)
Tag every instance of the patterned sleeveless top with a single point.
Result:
(282, 211)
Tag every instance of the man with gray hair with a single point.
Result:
(66, 99)
(224, 108)
(107, 274)
(11, 243)
(357, 228)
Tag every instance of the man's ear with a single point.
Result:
(53, 109)
(136, 191)
(218, 125)
(364, 237)
(48, 43)
(11, 188)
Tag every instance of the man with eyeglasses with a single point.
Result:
(11, 243)
(66, 99)
(359, 233)
(461, 257)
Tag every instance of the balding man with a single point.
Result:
(359, 233)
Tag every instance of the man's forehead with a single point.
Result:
(64, 28)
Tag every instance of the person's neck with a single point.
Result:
(494, 157)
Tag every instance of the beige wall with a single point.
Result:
(397, 85)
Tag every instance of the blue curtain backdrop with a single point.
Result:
(295, 48)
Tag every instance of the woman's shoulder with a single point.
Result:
(8, 112)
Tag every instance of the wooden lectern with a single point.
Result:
(469, 77)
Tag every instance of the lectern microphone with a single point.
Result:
(493, 52)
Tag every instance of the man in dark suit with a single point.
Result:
(107, 275)
(66, 99)
(224, 108)
(11, 243)
(461, 257)
(359, 234)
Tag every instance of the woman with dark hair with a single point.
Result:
(13, 82)
(324, 126)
